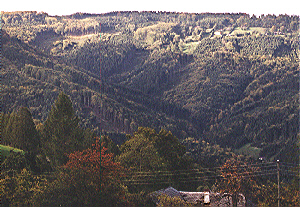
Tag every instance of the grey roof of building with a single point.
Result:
(170, 191)
(216, 199)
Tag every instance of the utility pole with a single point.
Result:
(100, 167)
(100, 159)
(278, 184)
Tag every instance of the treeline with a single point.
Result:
(27, 25)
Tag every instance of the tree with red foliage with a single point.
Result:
(101, 172)
(101, 169)
(87, 180)
(237, 179)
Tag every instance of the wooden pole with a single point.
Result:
(278, 184)
(100, 159)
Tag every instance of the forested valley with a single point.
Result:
(103, 109)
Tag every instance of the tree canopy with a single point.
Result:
(61, 131)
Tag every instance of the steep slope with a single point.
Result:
(230, 79)
(34, 80)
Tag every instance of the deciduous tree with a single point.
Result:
(237, 179)
(148, 150)
(89, 178)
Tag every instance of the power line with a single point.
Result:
(198, 173)
(237, 175)
(204, 170)
(215, 173)
(154, 175)
(234, 175)
(290, 164)
(143, 182)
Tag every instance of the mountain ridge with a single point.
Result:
(209, 76)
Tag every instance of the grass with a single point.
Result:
(250, 30)
(5, 150)
(247, 149)
(238, 30)
(259, 29)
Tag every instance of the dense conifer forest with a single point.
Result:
(165, 91)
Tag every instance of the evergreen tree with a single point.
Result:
(21, 132)
(8, 129)
(29, 137)
(61, 132)
(6, 124)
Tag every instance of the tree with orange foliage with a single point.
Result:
(101, 172)
(237, 179)
(101, 169)
(87, 180)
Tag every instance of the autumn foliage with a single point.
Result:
(91, 175)
(237, 179)
(99, 167)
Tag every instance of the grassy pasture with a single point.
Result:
(5, 150)
(249, 150)
(250, 30)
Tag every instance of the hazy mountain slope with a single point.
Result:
(28, 81)
(225, 78)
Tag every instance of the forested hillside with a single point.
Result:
(227, 79)
(105, 109)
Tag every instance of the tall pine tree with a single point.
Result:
(7, 127)
(20, 131)
(61, 132)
